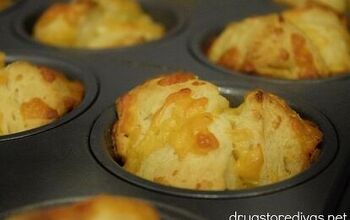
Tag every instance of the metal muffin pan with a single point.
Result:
(71, 160)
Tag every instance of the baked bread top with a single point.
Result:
(33, 96)
(338, 5)
(302, 43)
(178, 130)
(98, 208)
(96, 24)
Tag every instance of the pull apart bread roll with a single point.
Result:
(337, 5)
(33, 96)
(97, 208)
(303, 43)
(96, 24)
(178, 130)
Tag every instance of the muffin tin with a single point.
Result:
(71, 158)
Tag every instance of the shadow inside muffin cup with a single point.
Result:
(168, 15)
(102, 148)
(201, 41)
(165, 211)
(71, 72)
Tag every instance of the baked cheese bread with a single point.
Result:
(96, 24)
(32, 96)
(302, 43)
(178, 130)
(271, 142)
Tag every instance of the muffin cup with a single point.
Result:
(200, 43)
(72, 72)
(172, 17)
(102, 148)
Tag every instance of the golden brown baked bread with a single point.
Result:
(97, 208)
(178, 130)
(96, 24)
(337, 5)
(32, 96)
(302, 43)
(270, 140)
(5, 4)
(170, 131)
